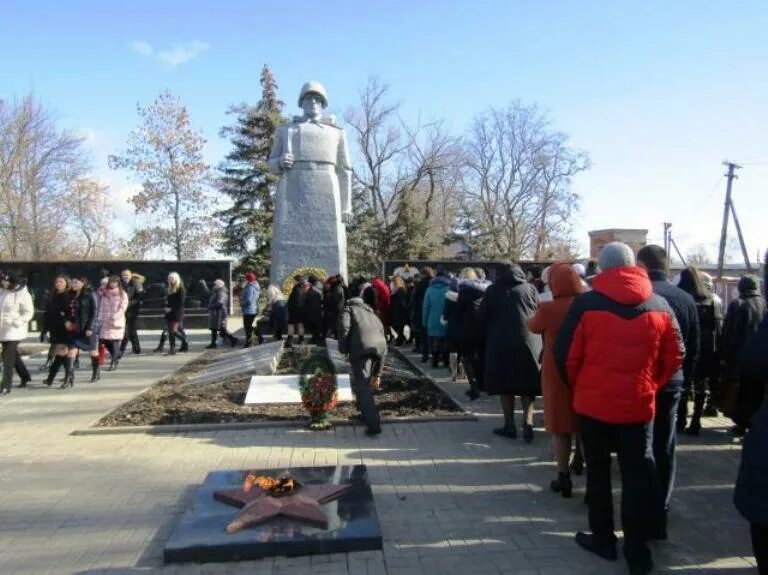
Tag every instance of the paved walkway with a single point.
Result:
(452, 497)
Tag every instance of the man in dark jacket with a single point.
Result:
(751, 496)
(618, 344)
(511, 351)
(741, 322)
(666, 423)
(134, 288)
(361, 335)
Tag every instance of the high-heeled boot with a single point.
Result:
(95, 369)
(214, 337)
(161, 343)
(69, 369)
(699, 398)
(53, 370)
(562, 485)
(184, 343)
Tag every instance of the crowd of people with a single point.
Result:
(81, 320)
(617, 351)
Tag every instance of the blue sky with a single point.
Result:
(658, 93)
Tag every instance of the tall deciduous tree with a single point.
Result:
(518, 197)
(405, 178)
(37, 160)
(245, 178)
(165, 153)
(90, 217)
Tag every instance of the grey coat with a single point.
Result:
(361, 332)
(512, 352)
(217, 308)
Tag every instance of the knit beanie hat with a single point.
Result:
(616, 255)
(250, 277)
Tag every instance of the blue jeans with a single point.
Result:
(665, 440)
(639, 487)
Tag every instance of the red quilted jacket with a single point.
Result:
(617, 345)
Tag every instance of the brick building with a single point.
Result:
(635, 239)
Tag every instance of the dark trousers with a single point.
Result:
(363, 368)
(473, 358)
(439, 348)
(131, 334)
(10, 353)
(248, 319)
(665, 441)
(639, 487)
(760, 546)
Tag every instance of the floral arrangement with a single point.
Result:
(319, 273)
(319, 392)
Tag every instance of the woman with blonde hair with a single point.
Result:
(174, 312)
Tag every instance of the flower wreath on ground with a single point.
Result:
(319, 273)
(319, 391)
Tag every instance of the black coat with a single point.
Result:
(55, 314)
(134, 289)
(468, 306)
(175, 301)
(512, 352)
(751, 495)
(417, 303)
(398, 309)
(313, 309)
(296, 313)
(741, 321)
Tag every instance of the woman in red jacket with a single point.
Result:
(559, 417)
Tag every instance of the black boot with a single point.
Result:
(69, 368)
(289, 341)
(161, 344)
(184, 343)
(95, 369)
(56, 363)
(114, 355)
(562, 485)
(214, 336)
(699, 399)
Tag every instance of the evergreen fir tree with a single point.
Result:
(409, 233)
(245, 178)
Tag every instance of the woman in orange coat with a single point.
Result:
(559, 417)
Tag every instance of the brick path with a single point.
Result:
(452, 497)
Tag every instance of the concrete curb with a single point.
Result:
(464, 415)
(255, 425)
(436, 383)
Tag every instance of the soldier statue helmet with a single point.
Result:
(313, 87)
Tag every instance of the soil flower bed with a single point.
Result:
(173, 401)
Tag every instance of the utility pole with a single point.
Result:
(726, 211)
(667, 247)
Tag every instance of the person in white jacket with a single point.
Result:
(16, 311)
